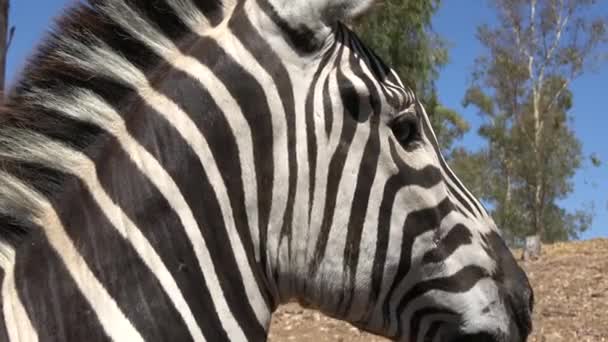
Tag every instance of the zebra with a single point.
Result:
(174, 170)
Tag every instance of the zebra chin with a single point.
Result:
(515, 333)
(483, 337)
(504, 328)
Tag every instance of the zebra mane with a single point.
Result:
(98, 49)
(99, 54)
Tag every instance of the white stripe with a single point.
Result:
(241, 130)
(464, 255)
(327, 147)
(404, 318)
(101, 59)
(17, 322)
(132, 233)
(191, 15)
(279, 149)
(449, 176)
(469, 305)
(336, 240)
(243, 137)
(83, 104)
(427, 321)
(367, 246)
(113, 320)
(188, 130)
(301, 75)
(408, 199)
(295, 260)
(417, 272)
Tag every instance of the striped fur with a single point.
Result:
(173, 170)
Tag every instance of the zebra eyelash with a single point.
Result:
(406, 129)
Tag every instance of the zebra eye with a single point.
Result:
(405, 129)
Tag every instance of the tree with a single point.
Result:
(6, 36)
(521, 87)
(400, 32)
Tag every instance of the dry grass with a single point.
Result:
(570, 284)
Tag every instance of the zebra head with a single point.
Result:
(383, 233)
(175, 169)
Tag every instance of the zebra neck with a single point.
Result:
(163, 200)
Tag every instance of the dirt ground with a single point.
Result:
(571, 289)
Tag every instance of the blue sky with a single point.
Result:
(456, 22)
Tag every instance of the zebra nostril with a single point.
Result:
(479, 337)
(531, 301)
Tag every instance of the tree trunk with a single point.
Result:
(533, 243)
(532, 248)
(4, 6)
(506, 216)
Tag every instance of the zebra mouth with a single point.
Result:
(478, 337)
(487, 337)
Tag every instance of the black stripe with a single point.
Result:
(82, 23)
(432, 331)
(145, 59)
(270, 61)
(253, 103)
(3, 330)
(301, 38)
(450, 174)
(456, 237)
(427, 177)
(460, 282)
(419, 315)
(212, 9)
(311, 137)
(416, 224)
(372, 102)
(183, 163)
(150, 211)
(71, 132)
(173, 87)
(469, 211)
(136, 289)
(328, 106)
(377, 68)
(168, 147)
(350, 101)
(42, 179)
(114, 93)
(160, 15)
(366, 176)
(43, 285)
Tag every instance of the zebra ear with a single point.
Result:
(306, 22)
(342, 10)
(317, 13)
